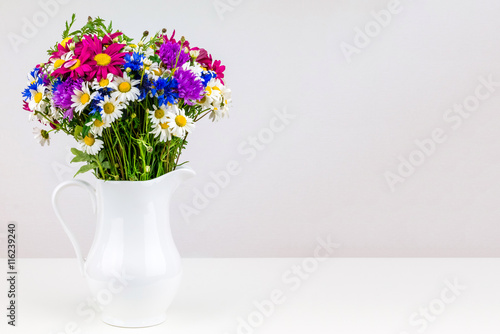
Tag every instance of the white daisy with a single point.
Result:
(91, 145)
(196, 68)
(97, 126)
(111, 109)
(81, 98)
(162, 130)
(36, 102)
(159, 115)
(179, 123)
(218, 98)
(42, 136)
(126, 88)
(152, 70)
(106, 82)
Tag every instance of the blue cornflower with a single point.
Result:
(144, 88)
(206, 76)
(35, 79)
(94, 105)
(166, 90)
(134, 61)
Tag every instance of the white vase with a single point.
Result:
(133, 267)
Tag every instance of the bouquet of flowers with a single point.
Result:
(130, 106)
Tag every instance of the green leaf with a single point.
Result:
(86, 168)
(78, 131)
(85, 130)
(80, 156)
(106, 165)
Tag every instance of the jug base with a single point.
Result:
(134, 323)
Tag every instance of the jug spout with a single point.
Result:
(184, 172)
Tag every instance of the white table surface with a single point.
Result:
(341, 296)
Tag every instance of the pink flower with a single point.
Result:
(108, 39)
(104, 60)
(77, 67)
(204, 58)
(172, 39)
(218, 68)
(62, 49)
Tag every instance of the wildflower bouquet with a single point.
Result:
(129, 106)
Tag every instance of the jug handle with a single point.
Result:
(72, 239)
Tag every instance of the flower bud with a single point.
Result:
(90, 18)
(147, 169)
(194, 53)
(145, 33)
(164, 30)
(134, 115)
(140, 43)
(149, 149)
(128, 70)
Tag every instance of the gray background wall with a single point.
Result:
(364, 109)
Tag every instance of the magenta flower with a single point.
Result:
(104, 60)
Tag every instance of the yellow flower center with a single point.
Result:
(102, 59)
(164, 125)
(104, 82)
(98, 123)
(124, 87)
(77, 64)
(89, 141)
(109, 108)
(58, 63)
(180, 121)
(159, 113)
(44, 134)
(216, 88)
(64, 41)
(203, 100)
(157, 72)
(209, 90)
(38, 97)
(84, 98)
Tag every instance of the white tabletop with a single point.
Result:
(389, 296)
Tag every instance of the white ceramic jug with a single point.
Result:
(133, 267)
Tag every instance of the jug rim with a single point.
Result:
(183, 168)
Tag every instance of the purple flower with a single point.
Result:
(63, 93)
(190, 87)
(168, 54)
